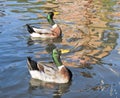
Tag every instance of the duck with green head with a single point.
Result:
(53, 32)
(56, 73)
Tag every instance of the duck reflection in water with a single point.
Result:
(32, 41)
(57, 90)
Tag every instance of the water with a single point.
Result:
(101, 78)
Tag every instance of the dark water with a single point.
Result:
(102, 81)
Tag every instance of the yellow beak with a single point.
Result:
(64, 51)
(56, 13)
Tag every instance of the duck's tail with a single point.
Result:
(30, 29)
(32, 65)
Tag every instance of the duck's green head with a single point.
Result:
(50, 18)
(56, 57)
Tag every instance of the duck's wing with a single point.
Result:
(32, 65)
(42, 30)
(30, 29)
(46, 69)
(36, 30)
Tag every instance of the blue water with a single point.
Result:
(15, 45)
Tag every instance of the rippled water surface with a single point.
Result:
(100, 80)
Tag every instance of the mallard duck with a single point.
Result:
(53, 32)
(57, 73)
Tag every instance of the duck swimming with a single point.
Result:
(53, 32)
(57, 73)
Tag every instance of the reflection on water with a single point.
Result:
(90, 33)
(94, 35)
(38, 88)
(32, 41)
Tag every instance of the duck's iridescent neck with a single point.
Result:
(50, 20)
(57, 61)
